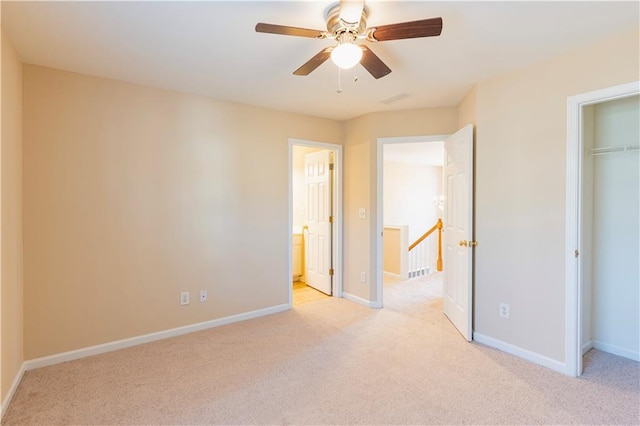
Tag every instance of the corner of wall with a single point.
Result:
(1, 375)
(357, 181)
(467, 108)
(11, 248)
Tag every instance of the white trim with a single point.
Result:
(616, 350)
(12, 391)
(359, 300)
(573, 241)
(290, 220)
(337, 210)
(139, 340)
(587, 347)
(520, 352)
(378, 283)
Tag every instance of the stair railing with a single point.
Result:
(418, 253)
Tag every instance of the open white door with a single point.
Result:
(318, 180)
(458, 229)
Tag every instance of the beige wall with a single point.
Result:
(11, 218)
(467, 108)
(361, 139)
(133, 194)
(520, 190)
(391, 248)
(357, 247)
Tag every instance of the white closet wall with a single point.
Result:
(611, 232)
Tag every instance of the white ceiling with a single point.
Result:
(211, 48)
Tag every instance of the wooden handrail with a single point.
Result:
(437, 226)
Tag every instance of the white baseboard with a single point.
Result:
(616, 350)
(521, 353)
(361, 301)
(138, 340)
(12, 391)
(587, 347)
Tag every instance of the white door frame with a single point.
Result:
(337, 213)
(380, 206)
(573, 279)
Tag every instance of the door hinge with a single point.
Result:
(576, 253)
(331, 272)
(330, 166)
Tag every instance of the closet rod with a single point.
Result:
(608, 149)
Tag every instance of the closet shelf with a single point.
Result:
(609, 149)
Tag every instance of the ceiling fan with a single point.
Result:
(347, 24)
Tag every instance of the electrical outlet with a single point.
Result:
(203, 296)
(363, 277)
(362, 213)
(184, 298)
(504, 310)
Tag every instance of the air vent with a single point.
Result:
(395, 98)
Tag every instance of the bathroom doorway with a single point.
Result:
(315, 217)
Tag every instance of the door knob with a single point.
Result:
(473, 243)
(463, 243)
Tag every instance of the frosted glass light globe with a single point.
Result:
(346, 55)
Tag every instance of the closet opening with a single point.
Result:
(603, 229)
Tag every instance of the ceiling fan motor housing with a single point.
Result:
(336, 26)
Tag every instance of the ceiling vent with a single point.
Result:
(395, 98)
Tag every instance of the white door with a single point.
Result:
(458, 229)
(318, 180)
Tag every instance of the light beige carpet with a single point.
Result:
(328, 362)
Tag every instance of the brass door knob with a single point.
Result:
(473, 243)
(463, 243)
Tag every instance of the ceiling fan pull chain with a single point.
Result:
(339, 81)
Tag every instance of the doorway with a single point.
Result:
(458, 241)
(315, 221)
(603, 280)
(413, 202)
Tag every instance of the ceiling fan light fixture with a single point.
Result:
(346, 55)
(347, 23)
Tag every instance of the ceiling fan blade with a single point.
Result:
(314, 62)
(373, 64)
(292, 31)
(415, 29)
(351, 11)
